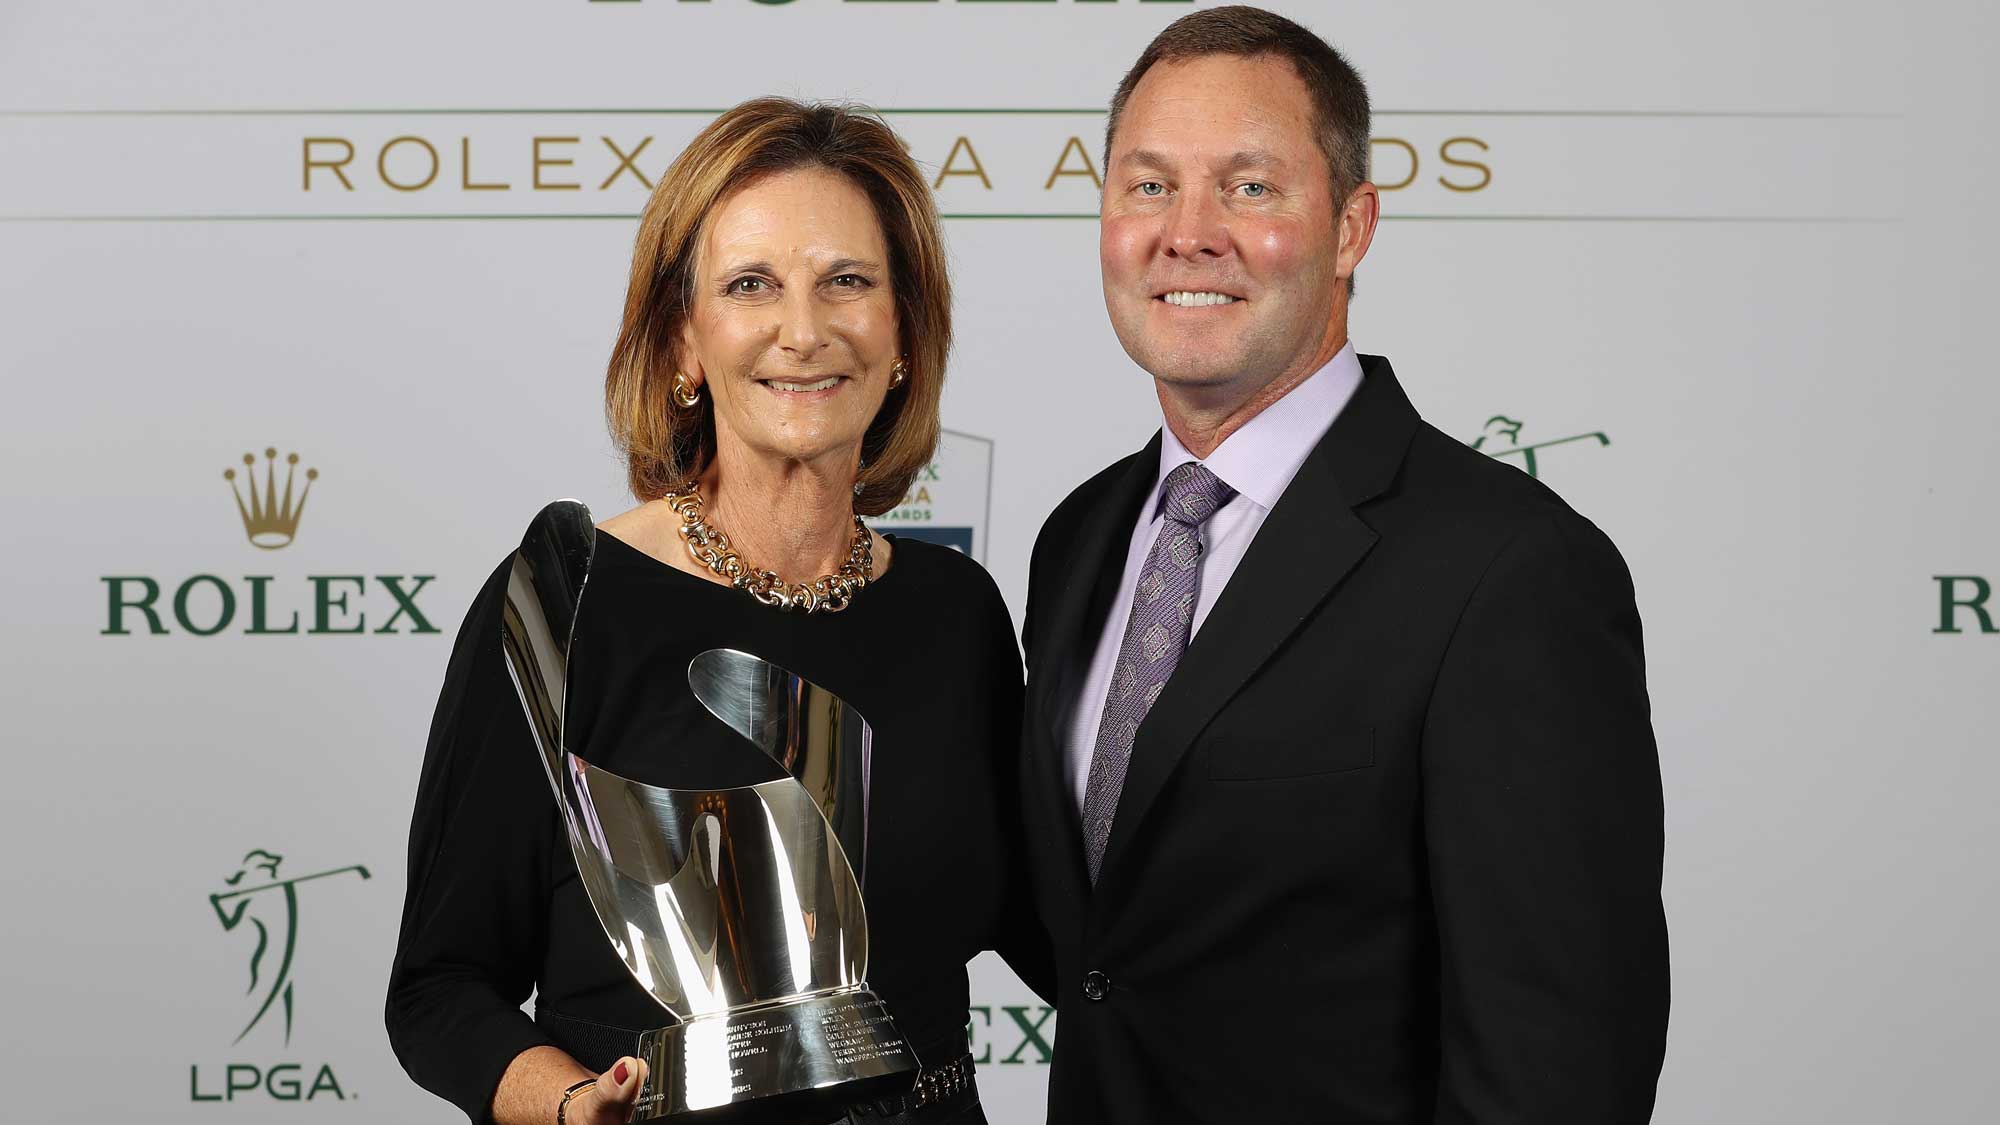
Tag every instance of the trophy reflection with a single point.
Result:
(739, 909)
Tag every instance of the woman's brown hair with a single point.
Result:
(666, 444)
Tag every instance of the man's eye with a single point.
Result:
(1152, 188)
(850, 281)
(747, 285)
(1254, 190)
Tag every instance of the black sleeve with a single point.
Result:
(1543, 818)
(1019, 937)
(475, 917)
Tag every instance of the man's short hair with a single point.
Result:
(1339, 98)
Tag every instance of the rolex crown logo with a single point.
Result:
(271, 522)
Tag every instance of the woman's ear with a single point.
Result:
(687, 362)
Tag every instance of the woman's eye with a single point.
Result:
(747, 285)
(1152, 188)
(849, 281)
(1254, 190)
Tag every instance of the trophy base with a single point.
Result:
(826, 1051)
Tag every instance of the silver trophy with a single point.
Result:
(739, 910)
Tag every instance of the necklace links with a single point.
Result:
(709, 546)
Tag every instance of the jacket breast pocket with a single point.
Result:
(1271, 757)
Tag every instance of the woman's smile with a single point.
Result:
(800, 389)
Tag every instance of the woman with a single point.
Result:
(777, 378)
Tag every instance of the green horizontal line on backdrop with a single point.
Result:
(892, 112)
(1792, 220)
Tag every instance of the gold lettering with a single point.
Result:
(465, 170)
(625, 162)
(382, 164)
(553, 162)
(1407, 147)
(1485, 173)
(1074, 145)
(336, 166)
(977, 169)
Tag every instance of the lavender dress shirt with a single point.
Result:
(1258, 461)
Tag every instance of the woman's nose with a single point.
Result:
(799, 329)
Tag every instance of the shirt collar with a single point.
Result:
(1260, 459)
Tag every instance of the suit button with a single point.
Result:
(1096, 986)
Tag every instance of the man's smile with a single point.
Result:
(1197, 298)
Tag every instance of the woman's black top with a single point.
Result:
(495, 907)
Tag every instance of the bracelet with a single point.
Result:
(562, 1109)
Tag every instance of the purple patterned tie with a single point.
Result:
(1155, 636)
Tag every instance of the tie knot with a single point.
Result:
(1193, 494)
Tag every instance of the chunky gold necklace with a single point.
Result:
(710, 547)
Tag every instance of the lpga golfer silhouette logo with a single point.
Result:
(1502, 439)
(271, 907)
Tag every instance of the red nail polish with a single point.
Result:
(619, 1075)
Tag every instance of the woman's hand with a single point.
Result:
(531, 1090)
(609, 1102)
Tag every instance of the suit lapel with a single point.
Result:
(1088, 570)
(1309, 542)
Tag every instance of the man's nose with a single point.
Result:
(1196, 227)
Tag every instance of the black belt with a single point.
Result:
(595, 1045)
(940, 1093)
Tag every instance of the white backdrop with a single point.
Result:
(1740, 254)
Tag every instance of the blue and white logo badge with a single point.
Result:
(951, 499)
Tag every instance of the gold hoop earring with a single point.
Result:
(898, 372)
(685, 393)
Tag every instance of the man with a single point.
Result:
(1338, 737)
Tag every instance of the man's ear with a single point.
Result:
(1356, 228)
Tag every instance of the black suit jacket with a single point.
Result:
(1389, 844)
